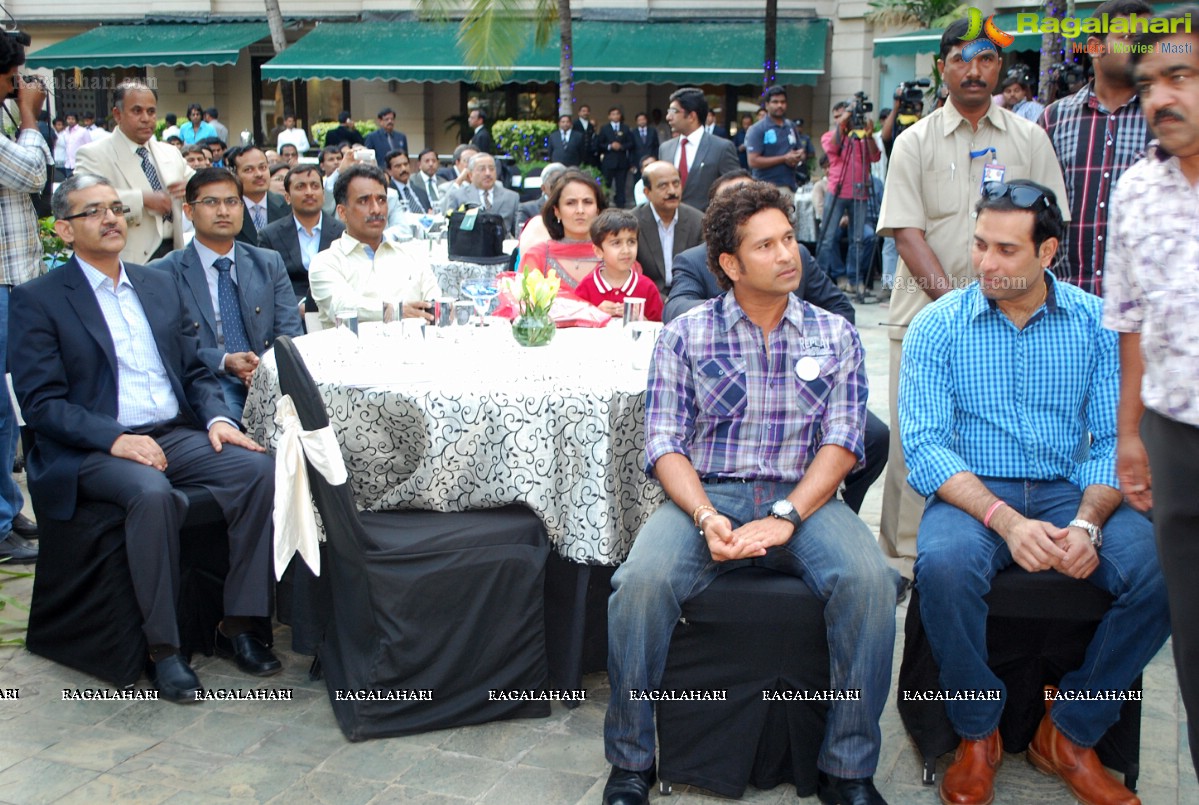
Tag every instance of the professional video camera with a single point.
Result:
(909, 94)
(860, 106)
(23, 40)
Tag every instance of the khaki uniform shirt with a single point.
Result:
(933, 184)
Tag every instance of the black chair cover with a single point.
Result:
(423, 601)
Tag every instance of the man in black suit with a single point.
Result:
(344, 133)
(694, 284)
(248, 163)
(665, 226)
(386, 139)
(712, 126)
(700, 157)
(613, 143)
(645, 143)
(306, 194)
(233, 329)
(411, 196)
(566, 144)
(453, 173)
(585, 126)
(112, 384)
(481, 139)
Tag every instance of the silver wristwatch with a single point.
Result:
(1093, 531)
(784, 510)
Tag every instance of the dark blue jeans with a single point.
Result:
(856, 264)
(956, 559)
(834, 553)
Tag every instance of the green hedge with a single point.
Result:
(524, 140)
(319, 130)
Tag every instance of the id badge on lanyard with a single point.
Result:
(993, 171)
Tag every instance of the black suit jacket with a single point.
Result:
(64, 369)
(570, 153)
(694, 283)
(447, 174)
(281, 236)
(588, 132)
(688, 232)
(481, 140)
(612, 159)
(644, 146)
(417, 187)
(276, 208)
(343, 134)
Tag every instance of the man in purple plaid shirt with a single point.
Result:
(754, 416)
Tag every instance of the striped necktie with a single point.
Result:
(151, 173)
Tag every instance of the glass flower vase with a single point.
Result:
(534, 329)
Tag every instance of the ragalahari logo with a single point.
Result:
(992, 38)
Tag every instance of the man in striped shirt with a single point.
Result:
(1007, 406)
(754, 415)
(1097, 133)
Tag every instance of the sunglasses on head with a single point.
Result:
(1023, 196)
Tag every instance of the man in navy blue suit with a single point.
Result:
(240, 296)
(111, 382)
(386, 139)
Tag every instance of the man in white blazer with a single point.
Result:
(149, 175)
(706, 157)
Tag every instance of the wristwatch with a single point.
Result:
(783, 510)
(1094, 531)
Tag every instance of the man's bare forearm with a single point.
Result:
(922, 262)
(822, 479)
(1132, 372)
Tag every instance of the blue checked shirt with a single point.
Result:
(978, 395)
(733, 401)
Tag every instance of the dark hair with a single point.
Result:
(170, 118)
(1145, 42)
(462, 149)
(175, 138)
(215, 141)
(386, 110)
(1011, 80)
(330, 149)
(568, 176)
(194, 107)
(305, 167)
(12, 53)
(840, 105)
(612, 222)
(1047, 218)
(482, 115)
(278, 166)
(421, 155)
(691, 99)
(952, 37)
(206, 176)
(237, 152)
(773, 91)
(399, 152)
(288, 113)
(1121, 8)
(612, 109)
(722, 180)
(343, 116)
(728, 212)
(123, 89)
(212, 112)
(359, 169)
(292, 146)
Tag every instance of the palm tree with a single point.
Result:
(274, 20)
(915, 13)
(495, 32)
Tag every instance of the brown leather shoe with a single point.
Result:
(970, 779)
(1079, 768)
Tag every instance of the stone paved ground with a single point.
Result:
(144, 752)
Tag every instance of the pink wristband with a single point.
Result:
(991, 511)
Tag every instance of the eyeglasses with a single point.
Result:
(210, 203)
(1023, 196)
(92, 213)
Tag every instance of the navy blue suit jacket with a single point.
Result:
(64, 369)
(268, 305)
(377, 142)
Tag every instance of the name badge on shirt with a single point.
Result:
(993, 172)
(807, 369)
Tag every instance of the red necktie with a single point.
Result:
(683, 161)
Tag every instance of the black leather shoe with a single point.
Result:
(836, 791)
(252, 656)
(626, 787)
(16, 550)
(175, 680)
(25, 527)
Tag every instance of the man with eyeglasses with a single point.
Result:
(700, 158)
(934, 177)
(249, 165)
(149, 175)
(124, 409)
(1002, 381)
(240, 296)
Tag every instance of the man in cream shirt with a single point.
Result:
(362, 271)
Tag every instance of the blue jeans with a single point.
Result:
(11, 501)
(834, 553)
(861, 241)
(957, 558)
(890, 262)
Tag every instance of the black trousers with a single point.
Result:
(1173, 447)
(243, 484)
(616, 178)
(877, 446)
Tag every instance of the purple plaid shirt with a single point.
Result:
(737, 405)
(1094, 146)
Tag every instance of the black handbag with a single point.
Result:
(476, 236)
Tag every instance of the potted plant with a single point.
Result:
(54, 250)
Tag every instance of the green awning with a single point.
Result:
(152, 45)
(928, 40)
(643, 53)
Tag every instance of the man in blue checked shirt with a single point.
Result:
(1007, 405)
(754, 415)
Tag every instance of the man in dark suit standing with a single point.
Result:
(566, 144)
(248, 164)
(699, 157)
(343, 133)
(240, 296)
(123, 408)
(386, 139)
(585, 126)
(666, 226)
(481, 139)
(306, 232)
(712, 126)
(645, 143)
(613, 143)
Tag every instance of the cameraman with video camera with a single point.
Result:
(23, 170)
(906, 110)
(850, 148)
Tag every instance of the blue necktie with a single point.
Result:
(151, 173)
(232, 326)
